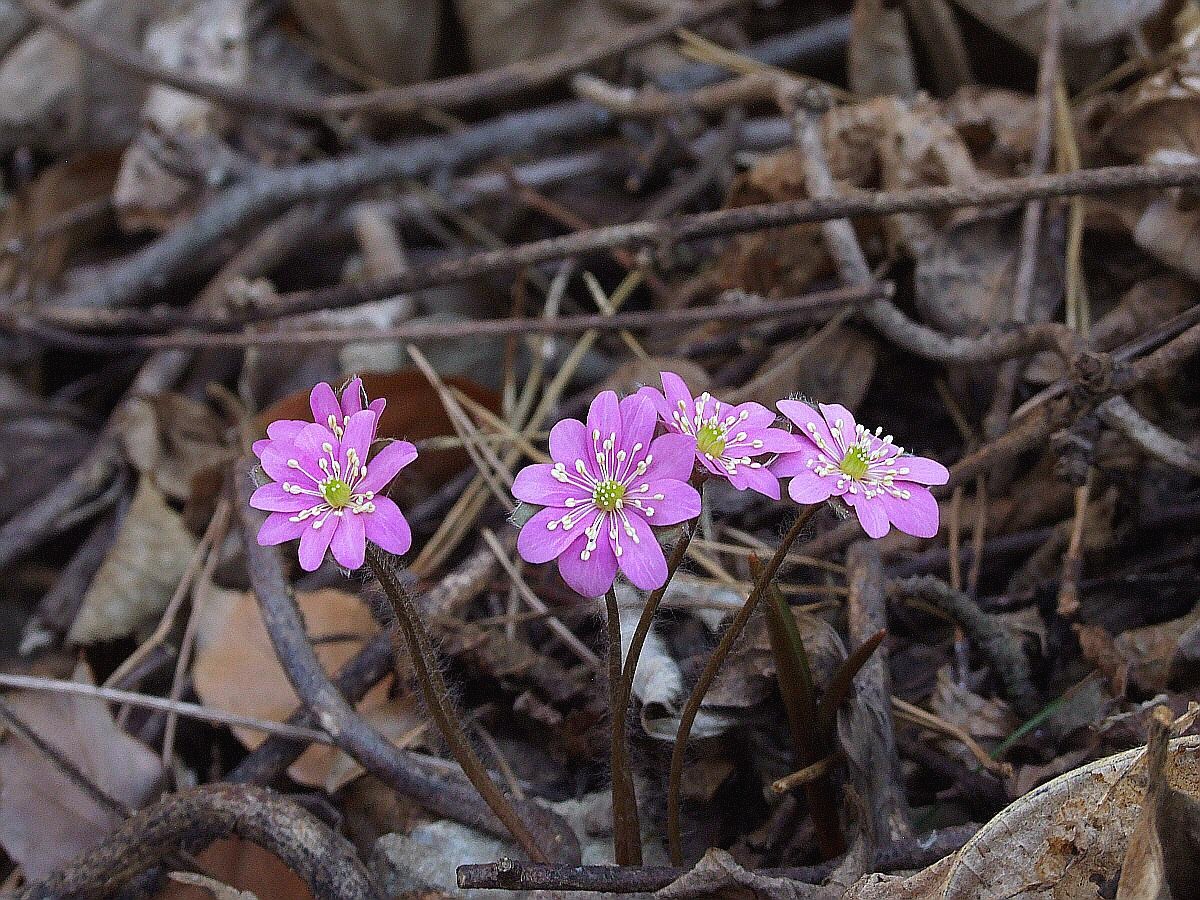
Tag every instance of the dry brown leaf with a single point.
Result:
(1149, 650)
(833, 364)
(233, 650)
(506, 31)
(631, 375)
(76, 182)
(980, 717)
(1059, 841)
(45, 820)
(140, 572)
(171, 439)
(879, 58)
(394, 40)
(242, 867)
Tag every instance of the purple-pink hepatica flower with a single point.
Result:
(610, 481)
(323, 491)
(728, 438)
(840, 458)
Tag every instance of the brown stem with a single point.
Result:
(692, 708)
(437, 698)
(627, 838)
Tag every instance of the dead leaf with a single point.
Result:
(879, 57)
(718, 874)
(45, 820)
(394, 40)
(140, 572)
(76, 182)
(631, 375)
(239, 870)
(234, 650)
(1149, 650)
(171, 439)
(1059, 841)
(982, 718)
(838, 363)
(506, 31)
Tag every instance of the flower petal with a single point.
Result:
(672, 456)
(536, 484)
(917, 515)
(638, 418)
(387, 527)
(260, 445)
(315, 541)
(275, 459)
(840, 421)
(796, 463)
(678, 396)
(604, 418)
(352, 397)
(324, 404)
(757, 415)
(385, 464)
(377, 406)
(285, 429)
(360, 431)
(808, 487)
(279, 528)
(539, 543)
(872, 514)
(591, 577)
(310, 446)
(349, 544)
(641, 558)
(569, 441)
(671, 500)
(760, 479)
(661, 405)
(273, 498)
(808, 421)
(921, 470)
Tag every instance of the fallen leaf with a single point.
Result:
(879, 57)
(394, 40)
(237, 870)
(171, 439)
(140, 572)
(838, 363)
(45, 820)
(234, 650)
(1148, 651)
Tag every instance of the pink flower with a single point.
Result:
(839, 458)
(727, 437)
(610, 481)
(321, 490)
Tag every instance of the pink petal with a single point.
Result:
(678, 396)
(673, 456)
(278, 528)
(260, 445)
(387, 526)
(310, 446)
(591, 577)
(535, 484)
(661, 405)
(774, 440)
(324, 404)
(315, 541)
(352, 397)
(921, 470)
(835, 413)
(760, 480)
(807, 419)
(273, 498)
(349, 544)
(797, 463)
(274, 461)
(808, 487)
(638, 418)
(680, 501)
(604, 416)
(758, 416)
(360, 431)
(538, 543)
(285, 429)
(385, 464)
(918, 515)
(872, 514)
(569, 441)
(377, 406)
(642, 559)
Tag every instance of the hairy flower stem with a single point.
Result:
(437, 699)
(692, 707)
(627, 838)
(620, 699)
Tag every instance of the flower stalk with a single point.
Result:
(437, 699)
(711, 668)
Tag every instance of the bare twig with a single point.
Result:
(322, 859)
(1119, 414)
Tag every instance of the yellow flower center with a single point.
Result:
(336, 492)
(608, 495)
(854, 463)
(710, 440)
